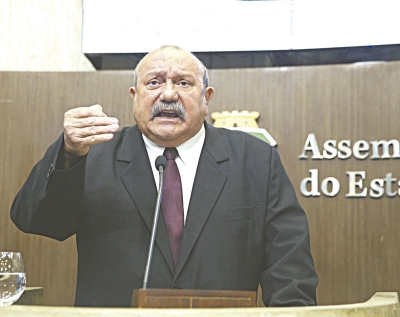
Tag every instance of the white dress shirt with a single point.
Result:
(187, 161)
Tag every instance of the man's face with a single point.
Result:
(171, 81)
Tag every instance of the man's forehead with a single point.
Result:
(178, 62)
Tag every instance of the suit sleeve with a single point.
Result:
(289, 277)
(50, 201)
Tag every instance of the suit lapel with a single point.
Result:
(137, 177)
(209, 182)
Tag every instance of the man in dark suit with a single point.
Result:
(242, 222)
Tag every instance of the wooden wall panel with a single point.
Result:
(31, 115)
(354, 240)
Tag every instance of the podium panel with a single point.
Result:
(183, 298)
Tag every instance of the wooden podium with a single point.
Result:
(183, 298)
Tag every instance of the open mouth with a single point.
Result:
(167, 115)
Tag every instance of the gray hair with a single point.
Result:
(205, 72)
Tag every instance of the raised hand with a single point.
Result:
(84, 127)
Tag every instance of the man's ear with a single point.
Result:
(132, 91)
(209, 94)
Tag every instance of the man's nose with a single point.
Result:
(169, 92)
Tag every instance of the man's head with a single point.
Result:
(170, 95)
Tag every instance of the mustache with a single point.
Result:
(168, 106)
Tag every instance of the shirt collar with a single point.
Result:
(187, 150)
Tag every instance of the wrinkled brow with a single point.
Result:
(174, 74)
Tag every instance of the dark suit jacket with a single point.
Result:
(244, 224)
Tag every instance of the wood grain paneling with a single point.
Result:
(354, 240)
(31, 115)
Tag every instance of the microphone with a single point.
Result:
(161, 161)
(161, 164)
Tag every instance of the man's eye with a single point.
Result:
(153, 82)
(183, 83)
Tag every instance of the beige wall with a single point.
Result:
(41, 35)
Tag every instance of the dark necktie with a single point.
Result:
(172, 202)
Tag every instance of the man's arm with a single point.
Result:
(289, 278)
(50, 201)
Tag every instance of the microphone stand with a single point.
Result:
(160, 167)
